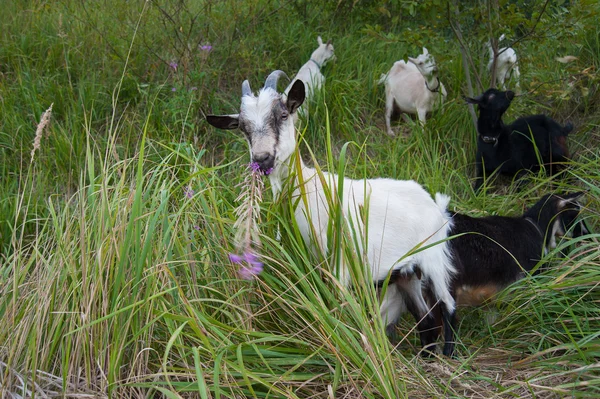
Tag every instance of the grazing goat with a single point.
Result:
(519, 147)
(506, 64)
(310, 72)
(492, 252)
(401, 215)
(412, 88)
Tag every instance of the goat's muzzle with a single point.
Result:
(265, 161)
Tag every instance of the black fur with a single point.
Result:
(499, 249)
(510, 148)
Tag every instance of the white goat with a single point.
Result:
(310, 72)
(401, 215)
(506, 64)
(412, 88)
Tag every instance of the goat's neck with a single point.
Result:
(318, 57)
(281, 173)
(489, 124)
(432, 82)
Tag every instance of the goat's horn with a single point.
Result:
(273, 78)
(246, 91)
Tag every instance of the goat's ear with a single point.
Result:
(413, 60)
(425, 52)
(224, 121)
(329, 42)
(566, 199)
(319, 40)
(295, 96)
(477, 100)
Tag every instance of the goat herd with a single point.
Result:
(483, 256)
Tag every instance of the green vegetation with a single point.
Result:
(113, 282)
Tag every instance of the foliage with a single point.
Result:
(115, 281)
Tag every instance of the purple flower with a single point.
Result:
(254, 166)
(268, 171)
(252, 259)
(193, 88)
(189, 193)
(196, 227)
(206, 47)
(173, 65)
(249, 273)
(235, 258)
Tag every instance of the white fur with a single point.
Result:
(506, 65)
(310, 72)
(406, 86)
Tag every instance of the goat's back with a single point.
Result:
(493, 250)
(549, 136)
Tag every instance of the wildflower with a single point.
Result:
(255, 167)
(206, 47)
(193, 88)
(174, 89)
(44, 121)
(235, 258)
(189, 192)
(249, 273)
(196, 227)
(173, 65)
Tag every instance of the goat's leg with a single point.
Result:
(411, 290)
(449, 321)
(389, 108)
(517, 75)
(391, 308)
(422, 114)
(447, 303)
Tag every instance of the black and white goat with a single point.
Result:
(520, 147)
(400, 215)
(492, 252)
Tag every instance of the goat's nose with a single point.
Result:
(265, 160)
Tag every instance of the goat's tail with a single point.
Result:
(382, 78)
(442, 201)
(567, 128)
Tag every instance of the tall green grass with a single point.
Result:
(113, 282)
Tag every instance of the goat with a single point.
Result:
(401, 215)
(505, 64)
(519, 147)
(310, 72)
(492, 252)
(412, 88)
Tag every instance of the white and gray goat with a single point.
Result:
(412, 88)
(310, 72)
(506, 64)
(401, 215)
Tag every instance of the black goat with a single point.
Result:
(492, 252)
(524, 145)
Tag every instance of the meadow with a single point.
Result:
(117, 219)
